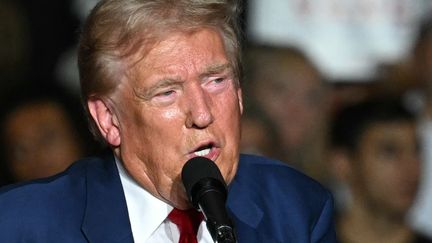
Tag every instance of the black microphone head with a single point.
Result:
(206, 190)
(198, 170)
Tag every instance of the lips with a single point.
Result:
(209, 150)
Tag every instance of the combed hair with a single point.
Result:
(116, 29)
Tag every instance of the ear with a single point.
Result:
(106, 121)
(240, 99)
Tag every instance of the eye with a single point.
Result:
(165, 97)
(166, 93)
(216, 84)
(218, 80)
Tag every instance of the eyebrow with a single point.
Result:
(147, 94)
(215, 69)
(166, 82)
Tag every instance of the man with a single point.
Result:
(376, 153)
(56, 137)
(161, 84)
(283, 81)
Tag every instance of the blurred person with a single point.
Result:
(258, 134)
(161, 83)
(42, 131)
(375, 152)
(289, 88)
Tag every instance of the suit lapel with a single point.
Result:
(106, 217)
(247, 214)
(242, 206)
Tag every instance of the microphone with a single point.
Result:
(206, 190)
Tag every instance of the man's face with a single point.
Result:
(386, 170)
(294, 97)
(180, 101)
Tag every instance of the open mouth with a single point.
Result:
(203, 150)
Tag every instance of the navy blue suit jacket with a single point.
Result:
(267, 200)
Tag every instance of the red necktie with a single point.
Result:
(188, 222)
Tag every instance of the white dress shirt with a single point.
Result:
(148, 214)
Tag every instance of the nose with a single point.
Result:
(198, 103)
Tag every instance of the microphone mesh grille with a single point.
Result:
(197, 169)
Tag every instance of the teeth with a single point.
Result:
(203, 152)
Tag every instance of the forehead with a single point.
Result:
(392, 132)
(183, 52)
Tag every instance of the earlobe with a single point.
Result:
(106, 121)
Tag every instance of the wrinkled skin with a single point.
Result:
(182, 97)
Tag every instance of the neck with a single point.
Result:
(360, 224)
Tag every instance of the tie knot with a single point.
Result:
(187, 221)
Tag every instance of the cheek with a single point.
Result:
(231, 116)
(171, 114)
(149, 120)
(156, 133)
(377, 177)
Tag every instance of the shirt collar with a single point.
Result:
(146, 212)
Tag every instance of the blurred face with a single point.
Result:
(255, 138)
(293, 96)
(179, 102)
(386, 170)
(40, 141)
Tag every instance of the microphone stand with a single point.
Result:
(223, 234)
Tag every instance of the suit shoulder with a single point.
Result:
(77, 169)
(271, 170)
(294, 204)
(37, 197)
(51, 207)
(279, 179)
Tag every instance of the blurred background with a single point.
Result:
(305, 63)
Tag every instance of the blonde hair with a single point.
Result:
(115, 29)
